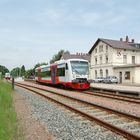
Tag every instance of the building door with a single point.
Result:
(120, 75)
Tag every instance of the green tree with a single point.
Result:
(29, 73)
(57, 56)
(3, 70)
(22, 71)
(15, 72)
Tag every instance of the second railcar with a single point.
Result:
(7, 76)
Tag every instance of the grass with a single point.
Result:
(8, 122)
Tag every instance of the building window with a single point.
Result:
(106, 48)
(133, 59)
(119, 53)
(101, 59)
(125, 59)
(127, 75)
(96, 50)
(101, 72)
(106, 72)
(101, 48)
(95, 73)
(95, 60)
(106, 59)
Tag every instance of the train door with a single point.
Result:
(66, 73)
(120, 75)
(39, 74)
(53, 74)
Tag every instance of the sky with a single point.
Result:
(33, 31)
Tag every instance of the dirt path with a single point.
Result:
(32, 129)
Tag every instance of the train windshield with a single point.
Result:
(80, 67)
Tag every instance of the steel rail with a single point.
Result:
(114, 93)
(129, 116)
(100, 93)
(118, 97)
(131, 100)
(111, 127)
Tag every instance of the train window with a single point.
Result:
(80, 67)
(45, 74)
(48, 73)
(61, 72)
(66, 66)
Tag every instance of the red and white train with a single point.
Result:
(71, 73)
(7, 76)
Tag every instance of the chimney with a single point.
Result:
(133, 41)
(127, 39)
(121, 39)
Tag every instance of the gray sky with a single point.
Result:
(32, 31)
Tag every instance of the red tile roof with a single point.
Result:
(66, 56)
(114, 44)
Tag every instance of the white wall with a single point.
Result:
(123, 70)
(115, 58)
(137, 75)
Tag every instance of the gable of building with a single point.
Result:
(114, 44)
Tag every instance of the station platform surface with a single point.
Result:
(134, 89)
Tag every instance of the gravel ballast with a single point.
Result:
(62, 125)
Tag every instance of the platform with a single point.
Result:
(118, 88)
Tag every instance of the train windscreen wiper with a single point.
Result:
(76, 70)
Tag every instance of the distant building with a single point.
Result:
(66, 56)
(116, 58)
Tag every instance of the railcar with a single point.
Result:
(71, 73)
(7, 76)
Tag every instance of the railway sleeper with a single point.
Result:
(99, 113)
(125, 124)
(106, 116)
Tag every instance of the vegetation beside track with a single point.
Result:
(9, 129)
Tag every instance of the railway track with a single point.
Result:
(114, 96)
(121, 123)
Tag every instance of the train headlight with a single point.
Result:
(74, 74)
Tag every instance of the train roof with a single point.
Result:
(43, 66)
(60, 62)
(73, 59)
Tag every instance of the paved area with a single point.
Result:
(117, 87)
